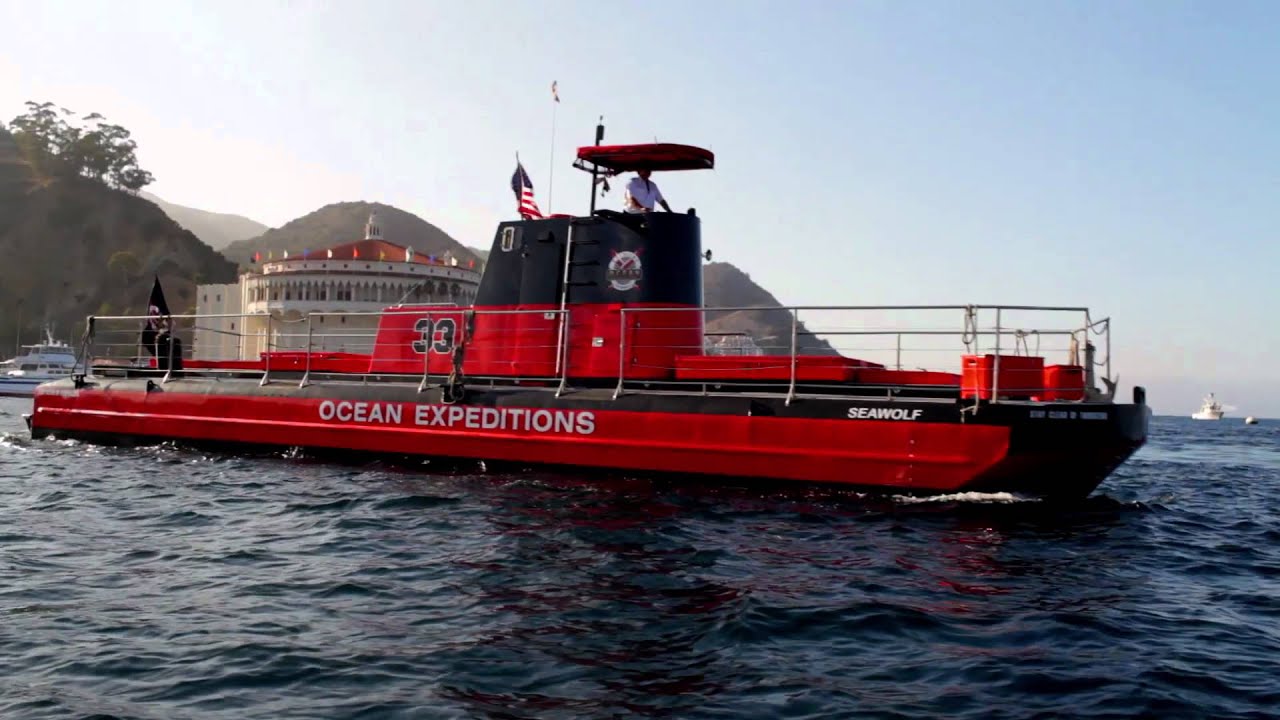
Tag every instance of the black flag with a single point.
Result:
(155, 331)
(157, 308)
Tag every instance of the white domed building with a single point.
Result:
(365, 276)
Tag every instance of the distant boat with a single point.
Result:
(51, 360)
(1251, 420)
(1210, 410)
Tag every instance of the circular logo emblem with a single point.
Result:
(624, 270)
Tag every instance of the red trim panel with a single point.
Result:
(654, 156)
(910, 455)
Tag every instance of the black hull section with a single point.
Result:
(1064, 456)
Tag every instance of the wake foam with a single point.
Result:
(1002, 498)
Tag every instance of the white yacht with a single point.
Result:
(40, 363)
(1210, 410)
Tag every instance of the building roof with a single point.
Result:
(375, 250)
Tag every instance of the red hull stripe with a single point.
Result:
(927, 456)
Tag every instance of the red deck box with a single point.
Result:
(1020, 376)
(1063, 382)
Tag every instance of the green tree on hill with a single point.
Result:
(51, 140)
(126, 264)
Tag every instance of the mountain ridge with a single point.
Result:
(217, 230)
(343, 222)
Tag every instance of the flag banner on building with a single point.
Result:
(330, 253)
(408, 254)
(382, 255)
(471, 263)
(257, 257)
(555, 94)
(522, 186)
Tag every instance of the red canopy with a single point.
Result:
(657, 157)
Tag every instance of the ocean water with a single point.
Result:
(167, 583)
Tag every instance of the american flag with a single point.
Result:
(523, 188)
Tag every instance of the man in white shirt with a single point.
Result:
(642, 193)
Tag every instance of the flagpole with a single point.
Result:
(551, 173)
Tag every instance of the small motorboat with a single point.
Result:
(1210, 410)
(40, 363)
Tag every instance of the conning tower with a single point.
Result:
(565, 283)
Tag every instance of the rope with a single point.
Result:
(1020, 338)
(1101, 327)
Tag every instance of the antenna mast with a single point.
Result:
(594, 167)
(551, 172)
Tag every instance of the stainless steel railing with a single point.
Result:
(912, 338)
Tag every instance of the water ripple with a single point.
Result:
(163, 582)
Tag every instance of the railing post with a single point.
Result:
(87, 349)
(899, 360)
(564, 298)
(995, 373)
(972, 345)
(306, 373)
(168, 370)
(266, 356)
(1109, 376)
(563, 352)
(1090, 388)
(92, 351)
(426, 355)
(795, 323)
(622, 351)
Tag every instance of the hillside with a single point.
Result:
(724, 285)
(344, 222)
(74, 246)
(217, 230)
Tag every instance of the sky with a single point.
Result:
(1120, 156)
